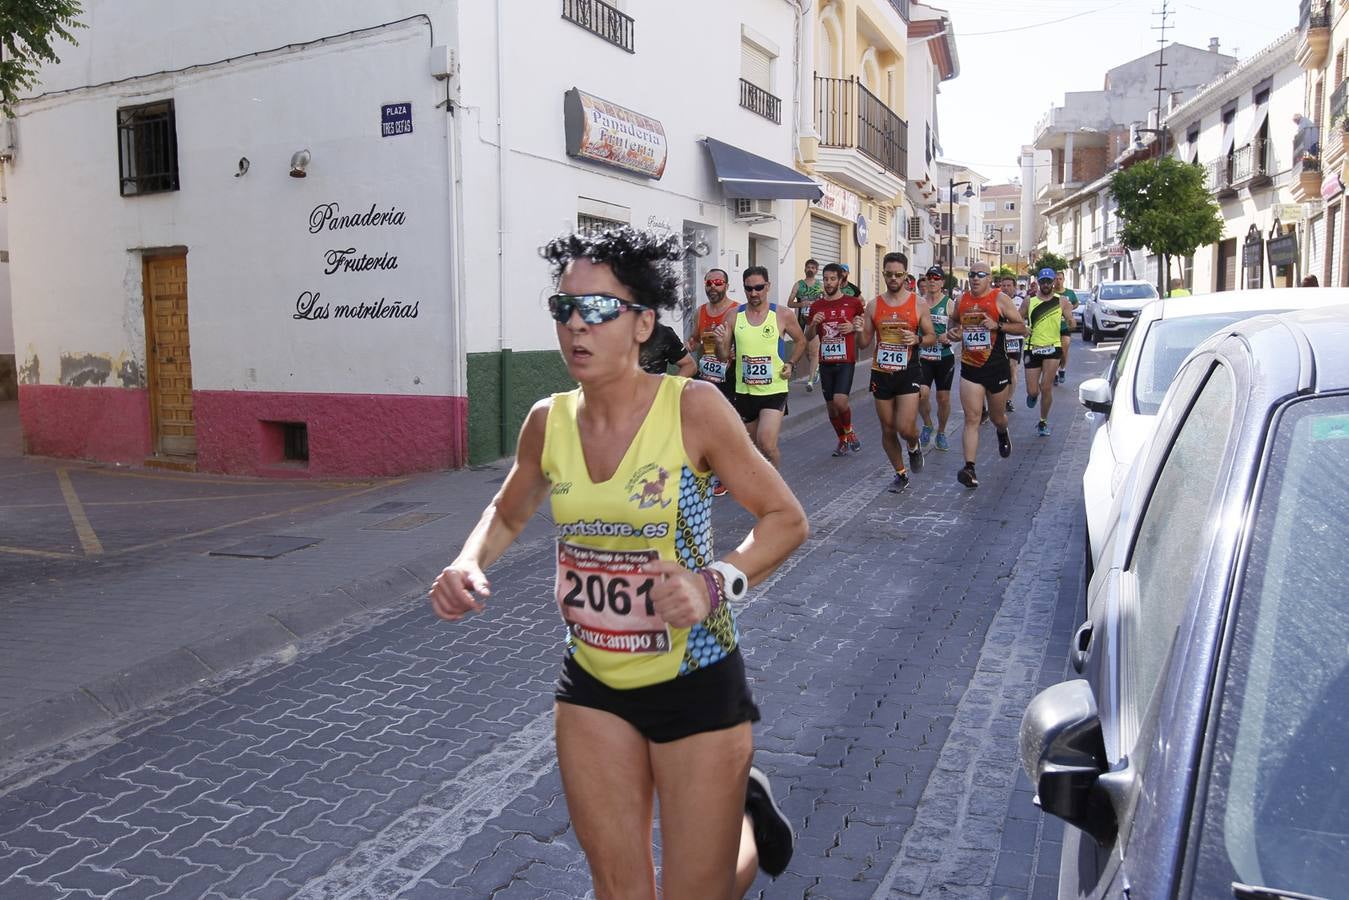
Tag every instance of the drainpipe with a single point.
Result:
(805, 61)
(504, 352)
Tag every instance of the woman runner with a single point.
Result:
(652, 697)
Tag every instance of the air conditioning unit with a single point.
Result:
(747, 210)
(915, 229)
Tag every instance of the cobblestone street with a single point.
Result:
(395, 755)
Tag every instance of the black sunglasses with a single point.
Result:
(978, 274)
(595, 309)
(755, 288)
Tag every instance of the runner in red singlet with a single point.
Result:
(835, 321)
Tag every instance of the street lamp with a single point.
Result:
(999, 229)
(952, 184)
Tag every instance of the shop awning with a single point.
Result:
(745, 175)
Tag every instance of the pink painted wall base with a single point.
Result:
(244, 432)
(107, 424)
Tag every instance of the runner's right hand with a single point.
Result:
(452, 594)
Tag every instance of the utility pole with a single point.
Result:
(1163, 262)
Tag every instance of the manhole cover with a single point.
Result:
(267, 546)
(405, 522)
(393, 506)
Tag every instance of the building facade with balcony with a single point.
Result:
(1240, 130)
(1000, 206)
(856, 144)
(383, 313)
(960, 220)
(1078, 142)
(1321, 150)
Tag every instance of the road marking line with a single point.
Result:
(44, 554)
(88, 540)
(484, 788)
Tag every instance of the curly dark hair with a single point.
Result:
(643, 261)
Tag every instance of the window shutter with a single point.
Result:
(756, 66)
(915, 229)
(826, 240)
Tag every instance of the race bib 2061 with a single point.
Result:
(605, 599)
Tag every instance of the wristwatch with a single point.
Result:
(735, 584)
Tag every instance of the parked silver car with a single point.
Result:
(1205, 751)
(1112, 307)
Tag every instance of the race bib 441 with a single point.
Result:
(834, 350)
(605, 599)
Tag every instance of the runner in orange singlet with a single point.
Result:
(984, 316)
(702, 340)
(899, 325)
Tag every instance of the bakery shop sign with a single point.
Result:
(612, 135)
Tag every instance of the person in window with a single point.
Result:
(1307, 136)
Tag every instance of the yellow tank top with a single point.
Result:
(758, 354)
(656, 506)
(1044, 318)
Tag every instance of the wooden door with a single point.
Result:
(1227, 265)
(169, 357)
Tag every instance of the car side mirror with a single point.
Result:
(1095, 395)
(1063, 753)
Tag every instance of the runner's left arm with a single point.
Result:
(868, 326)
(788, 325)
(1011, 323)
(926, 331)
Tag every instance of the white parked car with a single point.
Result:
(1127, 398)
(1112, 306)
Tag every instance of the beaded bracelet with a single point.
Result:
(713, 590)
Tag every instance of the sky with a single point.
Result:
(1019, 57)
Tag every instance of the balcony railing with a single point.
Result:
(1219, 171)
(757, 100)
(598, 17)
(848, 115)
(1313, 15)
(1307, 151)
(1250, 164)
(901, 7)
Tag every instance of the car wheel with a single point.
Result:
(1095, 335)
(1086, 330)
(1087, 571)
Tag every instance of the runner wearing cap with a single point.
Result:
(938, 361)
(1044, 314)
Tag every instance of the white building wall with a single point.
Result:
(250, 250)
(6, 316)
(692, 98)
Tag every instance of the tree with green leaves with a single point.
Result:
(1166, 206)
(1050, 261)
(28, 29)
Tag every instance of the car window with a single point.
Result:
(1168, 546)
(1131, 340)
(1127, 291)
(1167, 344)
(1277, 805)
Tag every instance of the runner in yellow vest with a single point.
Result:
(1044, 315)
(652, 697)
(761, 376)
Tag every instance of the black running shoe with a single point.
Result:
(1004, 444)
(916, 459)
(967, 477)
(900, 482)
(772, 832)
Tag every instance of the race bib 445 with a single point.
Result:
(605, 599)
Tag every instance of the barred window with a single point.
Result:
(147, 148)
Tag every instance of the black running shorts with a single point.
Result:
(994, 377)
(750, 405)
(708, 699)
(1035, 360)
(836, 378)
(939, 373)
(889, 385)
